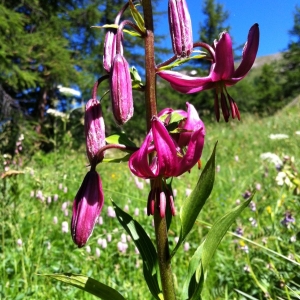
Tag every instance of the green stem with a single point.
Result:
(160, 224)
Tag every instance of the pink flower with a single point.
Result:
(173, 154)
(122, 247)
(97, 252)
(111, 212)
(64, 227)
(170, 160)
(86, 208)
(222, 73)
(186, 246)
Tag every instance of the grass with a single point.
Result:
(262, 263)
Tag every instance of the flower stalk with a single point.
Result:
(151, 110)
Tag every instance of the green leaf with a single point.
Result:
(145, 247)
(218, 231)
(191, 285)
(181, 61)
(112, 26)
(115, 26)
(89, 285)
(136, 80)
(193, 204)
(198, 265)
(120, 138)
(137, 17)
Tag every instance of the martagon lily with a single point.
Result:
(222, 73)
(170, 157)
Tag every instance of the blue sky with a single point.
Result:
(275, 19)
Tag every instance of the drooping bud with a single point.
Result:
(110, 49)
(121, 90)
(94, 130)
(86, 208)
(180, 28)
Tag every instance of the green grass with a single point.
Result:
(46, 249)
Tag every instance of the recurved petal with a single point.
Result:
(249, 53)
(86, 208)
(191, 124)
(138, 162)
(186, 84)
(165, 148)
(224, 64)
(193, 153)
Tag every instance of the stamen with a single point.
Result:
(162, 204)
(217, 108)
(224, 107)
(151, 203)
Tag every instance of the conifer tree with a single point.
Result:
(214, 22)
(291, 63)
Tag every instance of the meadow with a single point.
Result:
(258, 259)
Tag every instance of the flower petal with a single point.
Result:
(138, 162)
(165, 147)
(186, 84)
(191, 124)
(249, 53)
(194, 151)
(224, 64)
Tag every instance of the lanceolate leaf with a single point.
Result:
(181, 61)
(145, 247)
(218, 231)
(115, 26)
(194, 203)
(137, 17)
(198, 265)
(89, 285)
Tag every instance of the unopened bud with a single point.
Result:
(94, 129)
(86, 208)
(121, 90)
(110, 49)
(180, 28)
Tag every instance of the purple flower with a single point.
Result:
(86, 208)
(170, 160)
(121, 90)
(222, 73)
(288, 219)
(173, 155)
(247, 194)
(180, 28)
(94, 130)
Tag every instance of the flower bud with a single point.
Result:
(94, 129)
(180, 28)
(110, 49)
(121, 90)
(86, 208)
